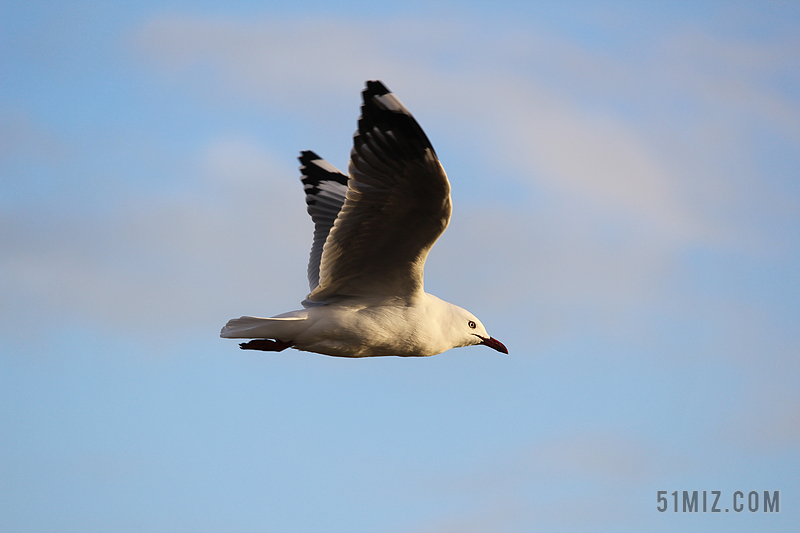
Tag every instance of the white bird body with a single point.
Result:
(372, 235)
(363, 328)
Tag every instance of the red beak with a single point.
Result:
(494, 343)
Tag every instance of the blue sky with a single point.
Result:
(626, 220)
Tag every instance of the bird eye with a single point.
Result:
(472, 324)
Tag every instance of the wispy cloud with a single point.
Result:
(168, 262)
(522, 118)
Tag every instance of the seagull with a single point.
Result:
(372, 233)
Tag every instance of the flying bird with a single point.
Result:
(372, 233)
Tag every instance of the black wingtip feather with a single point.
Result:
(313, 174)
(375, 88)
(400, 121)
(307, 156)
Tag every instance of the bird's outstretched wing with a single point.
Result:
(397, 205)
(325, 190)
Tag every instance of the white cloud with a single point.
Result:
(598, 158)
(302, 61)
(166, 264)
(748, 78)
(528, 126)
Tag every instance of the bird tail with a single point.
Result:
(284, 328)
